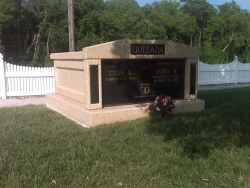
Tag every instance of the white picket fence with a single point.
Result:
(23, 81)
(234, 72)
(18, 80)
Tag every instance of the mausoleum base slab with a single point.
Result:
(90, 118)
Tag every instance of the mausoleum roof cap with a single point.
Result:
(121, 49)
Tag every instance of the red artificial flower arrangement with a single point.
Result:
(162, 104)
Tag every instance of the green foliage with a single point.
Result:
(32, 29)
(48, 61)
(1, 47)
(211, 54)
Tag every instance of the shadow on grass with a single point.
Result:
(224, 123)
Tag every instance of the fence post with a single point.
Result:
(236, 63)
(2, 78)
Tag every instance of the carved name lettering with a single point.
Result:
(147, 49)
(120, 73)
(116, 73)
(162, 71)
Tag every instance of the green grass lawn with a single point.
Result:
(41, 148)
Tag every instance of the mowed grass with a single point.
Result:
(41, 148)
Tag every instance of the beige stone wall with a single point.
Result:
(72, 69)
(72, 95)
(120, 49)
(194, 61)
(92, 118)
(188, 62)
(70, 79)
(88, 63)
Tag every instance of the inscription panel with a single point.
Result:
(94, 84)
(137, 81)
(192, 78)
(147, 49)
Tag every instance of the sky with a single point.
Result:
(244, 4)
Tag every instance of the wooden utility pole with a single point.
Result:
(71, 26)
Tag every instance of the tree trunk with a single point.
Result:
(200, 38)
(48, 42)
(231, 39)
(36, 43)
(191, 40)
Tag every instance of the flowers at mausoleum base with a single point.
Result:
(162, 104)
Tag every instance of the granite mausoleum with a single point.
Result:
(116, 81)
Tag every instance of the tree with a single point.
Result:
(5, 16)
(15, 33)
(201, 11)
(87, 22)
(32, 29)
(236, 35)
(52, 29)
